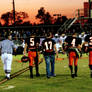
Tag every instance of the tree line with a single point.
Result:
(44, 17)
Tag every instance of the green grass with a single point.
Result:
(61, 83)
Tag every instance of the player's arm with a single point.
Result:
(14, 48)
(56, 50)
(65, 46)
(79, 47)
(86, 46)
(15, 52)
(86, 43)
(25, 49)
(79, 44)
(38, 52)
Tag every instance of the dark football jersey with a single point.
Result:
(88, 39)
(32, 43)
(48, 46)
(73, 41)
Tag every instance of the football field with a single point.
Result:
(61, 83)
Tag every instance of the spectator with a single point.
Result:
(49, 50)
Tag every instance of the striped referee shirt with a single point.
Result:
(7, 46)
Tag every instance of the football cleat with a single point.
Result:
(72, 75)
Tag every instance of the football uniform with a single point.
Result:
(73, 45)
(57, 40)
(33, 45)
(89, 40)
(32, 48)
(82, 37)
(62, 38)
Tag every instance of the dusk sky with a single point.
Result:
(63, 7)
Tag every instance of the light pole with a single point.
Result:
(14, 12)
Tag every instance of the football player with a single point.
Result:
(73, 44)
(62, 39)
(88, 44)
(82, 36)
(32, 43)
(58, 41)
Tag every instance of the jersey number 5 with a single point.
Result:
(31, 41)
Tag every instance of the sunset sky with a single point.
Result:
(63, 7)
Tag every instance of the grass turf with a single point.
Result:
(61, 83)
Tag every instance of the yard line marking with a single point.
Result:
(65, 66)
(18, 73)
(84, 65)
(9, 87)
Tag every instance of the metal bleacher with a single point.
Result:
(68, 23)
(79, 15)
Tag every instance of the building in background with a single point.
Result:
(86, 9)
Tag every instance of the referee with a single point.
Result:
(7, 47)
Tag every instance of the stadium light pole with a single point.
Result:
(14, 11)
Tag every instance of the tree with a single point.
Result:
(58, 20)
(19, 17)
(9, 20)
(0, 24)
(5, 17)
(64, 18)
(44, 16)
(26, 23)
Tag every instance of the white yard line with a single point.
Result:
(84, 65)
(7, 87)
(65, 66)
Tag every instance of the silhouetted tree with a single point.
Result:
(5, 17)
(58, 20)
(19, 17)
(9, 20)
(44, 17)
(64, 18)
(0, 24)
(26, 23)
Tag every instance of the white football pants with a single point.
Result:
(57, 46)
(7, 61)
